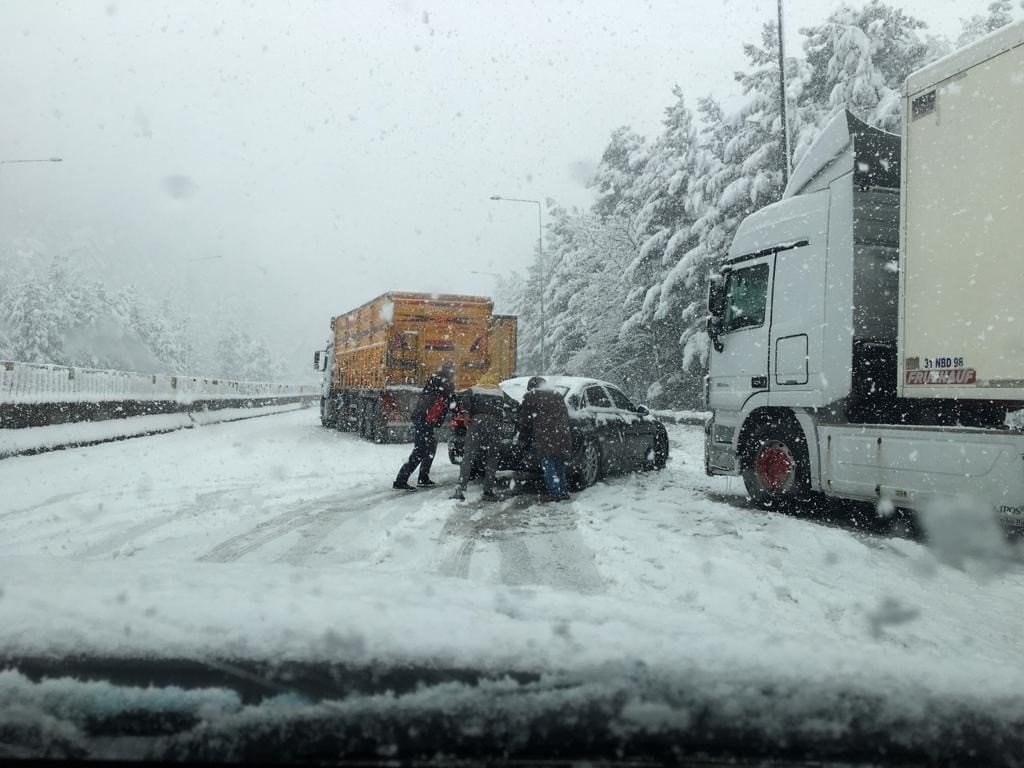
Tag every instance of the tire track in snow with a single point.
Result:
(516, 567)
(500, 523)
(331, 517)
(536, 545)
(261, 534)
(290, 521)
(40, 505)
(459, 523)
(112, 543)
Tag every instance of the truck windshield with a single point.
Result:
(746, 294)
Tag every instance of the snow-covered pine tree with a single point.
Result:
(663, 225)
(589, 255)
(614, 181)
(859, 58)
(527, 295)
(1000, 13)
(568, 270)
(165, 336)
(33, 323)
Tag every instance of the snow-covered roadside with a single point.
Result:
(275, 539)
(683, 417)
(83, 433)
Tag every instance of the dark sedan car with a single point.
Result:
(610, 434)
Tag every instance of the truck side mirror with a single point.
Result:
(316, 361)
(716, 307)
(716, 294)
(714, 328)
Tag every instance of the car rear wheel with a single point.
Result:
(657, 454)
(588, 465)
(457, 445)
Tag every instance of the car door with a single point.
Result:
(608, 425)
(638, 437)
(738, 366)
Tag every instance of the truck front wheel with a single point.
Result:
(776, 469)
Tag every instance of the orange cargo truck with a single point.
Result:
(381, 354)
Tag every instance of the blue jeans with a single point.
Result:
(554, 476)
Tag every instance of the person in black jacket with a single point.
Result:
(428, 413)
(487, 407)
(544, 428)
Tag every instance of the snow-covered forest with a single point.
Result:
(625, 282)
(54, 312)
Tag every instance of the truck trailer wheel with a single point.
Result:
(327, 418)
(378, 432)
(776, 469)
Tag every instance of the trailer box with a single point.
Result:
(503, 341)
(961, 315)
(402, 338)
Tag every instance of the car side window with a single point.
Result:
(620, 401)
(597, 398)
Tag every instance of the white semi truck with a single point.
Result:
(868, 329)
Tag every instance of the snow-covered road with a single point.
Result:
(276, 538)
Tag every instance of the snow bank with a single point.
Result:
(39, 439)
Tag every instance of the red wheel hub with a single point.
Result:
(774, 468)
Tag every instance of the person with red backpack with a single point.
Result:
(429, 412)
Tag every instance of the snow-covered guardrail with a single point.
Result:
(43, 407)
(693, 418)
(36, 383)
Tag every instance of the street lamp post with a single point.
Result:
(34, 160)
(540, 261)
(188, 309)
(782, 104)
(31, 160)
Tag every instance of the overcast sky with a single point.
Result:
(330, 151)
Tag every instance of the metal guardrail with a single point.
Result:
(39, 383)
(690, 418)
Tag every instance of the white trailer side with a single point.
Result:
(961, 331)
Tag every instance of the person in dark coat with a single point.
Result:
(486, 406)
(544, 428)
(428, 413)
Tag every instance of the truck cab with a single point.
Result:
(808, 292)
(323, 361)
(805, 320)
